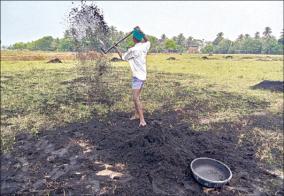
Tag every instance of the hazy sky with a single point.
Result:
(30, 20)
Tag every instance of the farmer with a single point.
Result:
(136, 56)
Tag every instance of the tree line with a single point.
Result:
(244, 44)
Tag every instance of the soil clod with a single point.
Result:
(270, 85)
(171, 59)
(55, 60)
(115, 59)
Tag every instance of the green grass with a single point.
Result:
(233, 75)
(37, 96)
(25, 55)
(20, 66)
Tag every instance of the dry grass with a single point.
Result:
(7, 55)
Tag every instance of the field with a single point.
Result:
(61, 126)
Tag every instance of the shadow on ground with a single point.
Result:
(270, 85)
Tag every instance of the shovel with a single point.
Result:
(106, 51)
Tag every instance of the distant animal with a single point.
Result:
(204, 58)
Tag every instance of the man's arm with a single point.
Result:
(144, 37)
(118, 52)
(127, 55)
(147, 45)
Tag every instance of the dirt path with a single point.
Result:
(114, 157)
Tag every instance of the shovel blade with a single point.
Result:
(103, 50)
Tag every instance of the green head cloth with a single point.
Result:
(137, 35)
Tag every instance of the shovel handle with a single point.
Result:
(117, 43)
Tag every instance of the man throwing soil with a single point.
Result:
(136, 56)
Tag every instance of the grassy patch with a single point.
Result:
(22, 55)
(37, 96)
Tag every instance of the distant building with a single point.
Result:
(193, 49)
(195, 46)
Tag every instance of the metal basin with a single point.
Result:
(210, 172)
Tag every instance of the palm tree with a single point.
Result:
(189, 41)
(257, 35)
(241, 37)
(181, 42)
(190, 38)
(181, 39)
(163, 37)
(162, 41)
(281, 39)
(219, 38)
(267, 32)
(220, 35)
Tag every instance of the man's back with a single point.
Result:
(136, 56)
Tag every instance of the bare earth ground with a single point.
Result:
(117, 158)
(110, 155)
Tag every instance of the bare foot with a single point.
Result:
(134, 117)
(142, 124)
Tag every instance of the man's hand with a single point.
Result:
(118, 52)
(137, 28)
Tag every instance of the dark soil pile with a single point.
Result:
(171, 58)
(115, 59)
(55, 60)
(270, 85)
(115, 157)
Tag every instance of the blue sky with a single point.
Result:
(30, 20)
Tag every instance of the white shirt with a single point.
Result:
(136, 56)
